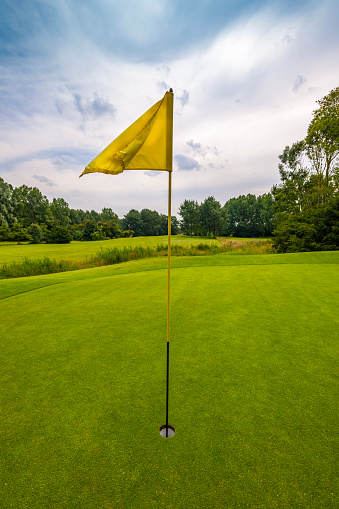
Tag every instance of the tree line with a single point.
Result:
(25, 214)
(245, 216)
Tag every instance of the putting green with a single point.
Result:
(253, 385)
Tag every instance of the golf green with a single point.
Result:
(253, 385)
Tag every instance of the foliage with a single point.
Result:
(36, 233)
(189, 211)
(59, 235)
(7, 204)
(249, 216)
(89, 227)
(4, 232)
(31, 206)
(212, 219)
(306, 200)
(148, 223)
(150, 220)
(322, 140)
(19, 233)
(314, 229)
(132, 221)
(61, 212)
(245, 216)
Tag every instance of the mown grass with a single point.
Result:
(76, 250)
(253, 385)
(119, 254)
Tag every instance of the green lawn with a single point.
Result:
(253, 385)
(76, 250)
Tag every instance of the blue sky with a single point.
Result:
(74, 74)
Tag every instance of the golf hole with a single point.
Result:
(171, 431)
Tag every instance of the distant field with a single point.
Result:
(10, 252)
(253, 385)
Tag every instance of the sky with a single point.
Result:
(74, 74)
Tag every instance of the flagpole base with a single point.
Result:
(167, 433)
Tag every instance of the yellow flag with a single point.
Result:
(144, 145)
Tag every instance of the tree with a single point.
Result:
(189, 211)
(76, 216)
(322, 140)
(89, 227)
(306, 198)
(314, 229)
(150, 221)
(175, 226)
(19, 233)
(31, 206)
(59, 235)
(291, 195)
(109, 229)
(4, 232)
(7, 216)
(61, 212)
(265, 204)
(107, 215)
(36, 233)
(211, 217)
(132, 221)
(93, 215)
(250, 216)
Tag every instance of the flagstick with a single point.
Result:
(168, 288)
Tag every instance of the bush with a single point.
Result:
(59, 235)
(36, 233)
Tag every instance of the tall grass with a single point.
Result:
(112, 256)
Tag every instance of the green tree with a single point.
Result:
(7, 202)
(314, 229)
(36, 233)
(305, 200)
(265, 204)
(93, 215)
(59, 235)
(89, 227)
(132, 221)
(211, 217)
(76, 216)
(163, 225)
(61, 211)
(19, 233)
(189, 211)
(4, 232)
(322, 140)
(250, 216)
(150, 221)
(31, 206)
(175, 225)
(114, 230)
(291, 194)
(107, 215)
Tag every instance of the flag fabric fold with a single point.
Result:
(144, 145)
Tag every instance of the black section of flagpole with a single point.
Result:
(167, 385)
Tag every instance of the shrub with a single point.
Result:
(36, 233)
(59, 235)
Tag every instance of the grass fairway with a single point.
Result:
(253, 385)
